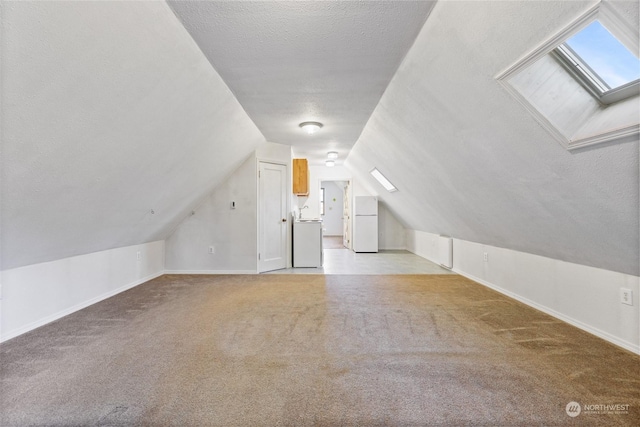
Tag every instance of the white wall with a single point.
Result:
(317, 174)
(114, 126)
(391, 234)
(586, 297)
(333, 208)
(232, 232)
(274, 152)
(41, 293)
(470, 161)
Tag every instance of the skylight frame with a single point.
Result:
(585, 135)
(383, 180)
(590, 80)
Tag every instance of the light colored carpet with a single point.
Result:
(312, 350)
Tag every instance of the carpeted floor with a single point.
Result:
(313, 350)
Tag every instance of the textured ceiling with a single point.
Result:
(294, 61)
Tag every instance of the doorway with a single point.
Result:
(272, 212)
(335, 213)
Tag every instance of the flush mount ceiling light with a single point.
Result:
(310, 127)
(330, 163)
(383, 181)
(332, 155)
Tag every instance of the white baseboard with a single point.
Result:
(601, 334)
(213, 272)
(77, 307)
(536, 281)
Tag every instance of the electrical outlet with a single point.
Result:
(485, 256)
(626, 296)
(212, 250)
(138, 256)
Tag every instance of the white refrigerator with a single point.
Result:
(365, 224)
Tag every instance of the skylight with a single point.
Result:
(383, 180)
(598, 59)
(582, 83)
(605, 55)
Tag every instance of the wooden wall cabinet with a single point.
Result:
(300, 177)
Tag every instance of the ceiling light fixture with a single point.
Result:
(383, 180)
(332, 155)
(330, 163)
(311, 127)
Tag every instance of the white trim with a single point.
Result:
(537, 115)
(578, 324)
(581, 71)
(548, 45)
(589, 78)
(629, 35)
(511, 279)
(622, 92)
(392, 248)
(77, 307)
(210, 272)
(632, 130)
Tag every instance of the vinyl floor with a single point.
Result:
(345, 261)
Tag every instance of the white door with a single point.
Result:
(273, 220)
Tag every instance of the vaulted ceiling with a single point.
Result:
(469, 160)
(117, 117)
(293, 61)
(114, 125)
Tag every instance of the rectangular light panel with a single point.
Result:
(383, 181)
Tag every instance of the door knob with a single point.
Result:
(284, 220)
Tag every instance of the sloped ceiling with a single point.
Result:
(294, 61)
(113, 126)
(471, 163)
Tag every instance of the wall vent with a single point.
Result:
(445, 251)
